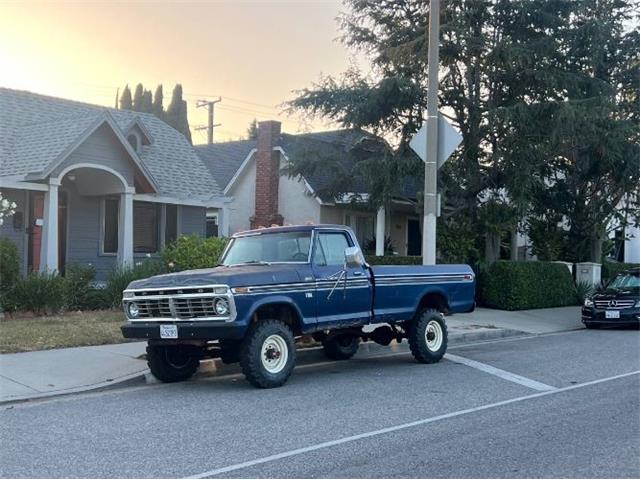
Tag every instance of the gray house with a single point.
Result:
(250, 174)
(98, 186)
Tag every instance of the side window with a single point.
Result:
(330, 249)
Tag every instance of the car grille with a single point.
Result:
(178, 303)
(619, 304)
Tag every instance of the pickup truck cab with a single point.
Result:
(275, 284)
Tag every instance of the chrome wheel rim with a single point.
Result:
(433, 336)
(274, 354)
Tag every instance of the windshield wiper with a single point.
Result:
(254, 262)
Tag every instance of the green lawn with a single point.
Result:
(72, 329)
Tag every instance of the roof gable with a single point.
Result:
(169, 159)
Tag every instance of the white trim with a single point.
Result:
(136, 135)
(243, 165)
(211, 203)
(96, 166)
(17, 184)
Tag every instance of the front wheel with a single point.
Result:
(428, 337)
(341, 347)
(172, 363)
(268, 354)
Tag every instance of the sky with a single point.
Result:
(252, 53)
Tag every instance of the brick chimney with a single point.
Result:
(267, 176)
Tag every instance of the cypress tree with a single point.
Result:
(137, 98)
(176, 115)
(252, 130)
(147, 102)
(125, 99)
(158, 98)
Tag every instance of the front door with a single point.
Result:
(36, 222)
(341, 300)
(414, 237)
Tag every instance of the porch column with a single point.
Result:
(49, 245)
(125, 230)
(380, 224)
(224, 222)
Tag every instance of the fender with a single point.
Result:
(429, 290)
(278, 299)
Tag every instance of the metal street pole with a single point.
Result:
(431, 164)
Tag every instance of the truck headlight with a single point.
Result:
(588, 302)
(133, 310)
(222, 306)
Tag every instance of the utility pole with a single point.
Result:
(210, 125)
(431, 163)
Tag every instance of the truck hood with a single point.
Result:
(236, 276)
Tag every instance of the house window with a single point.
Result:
(145, 227)
(212, 224)
(134, 140)
(110, 239)
(171, 224)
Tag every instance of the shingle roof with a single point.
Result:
(224, 159)
(36, 129)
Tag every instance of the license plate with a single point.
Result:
(168, 331)
(611, 314)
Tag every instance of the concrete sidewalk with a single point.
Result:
(32, 375)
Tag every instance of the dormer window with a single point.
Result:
(135, 141)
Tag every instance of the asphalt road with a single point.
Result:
(560, 405)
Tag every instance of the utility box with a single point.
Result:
(588, 272)
(569, 265)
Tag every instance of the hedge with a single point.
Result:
(610, 269)
(191, 252)
(393, 260)
(510, 285)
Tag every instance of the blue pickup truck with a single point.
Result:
(275, 284)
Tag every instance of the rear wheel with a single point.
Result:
(268, 354)
(428, 337)
(172, 363)
(341, 347)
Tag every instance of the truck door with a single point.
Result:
(341, 300)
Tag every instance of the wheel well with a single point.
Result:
(280, 311)
(434, 300)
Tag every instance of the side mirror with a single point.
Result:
(353, 257)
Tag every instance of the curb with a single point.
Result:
(213, 368)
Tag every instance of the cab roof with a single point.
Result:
(291, 228)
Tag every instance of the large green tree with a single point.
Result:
(125, 99)
(505, 66)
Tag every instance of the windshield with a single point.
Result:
(268, 248)
(625, 280)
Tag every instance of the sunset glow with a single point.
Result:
(252, 53)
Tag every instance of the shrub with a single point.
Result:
(40, 293)
(369, 246)
(96, 299)
(77, 284)
(583, 289)
(610, 269)
(9, 263)
(523, 285)
(393, 260)
(190, 252)
(120, 278)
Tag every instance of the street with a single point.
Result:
(556, 405)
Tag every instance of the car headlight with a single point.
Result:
(133, 310)
(222, 306)
(588, 302)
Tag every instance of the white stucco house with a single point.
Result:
(249, 172)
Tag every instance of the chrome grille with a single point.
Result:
(179, 304)
(194, 307)
(619, 304)
(154, 308)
